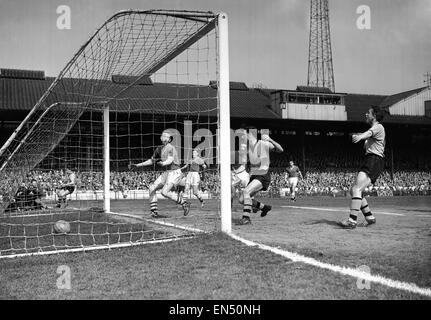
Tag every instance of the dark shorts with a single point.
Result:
(373, 166)
(265, 180)
(69, 188)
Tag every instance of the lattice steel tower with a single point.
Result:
(320, 68)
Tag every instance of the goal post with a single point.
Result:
(225, 147)
(139, 74)
(106, 159)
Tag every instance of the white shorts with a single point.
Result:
(293, 181)
(167, 177)
(240, 179)
(193, 179)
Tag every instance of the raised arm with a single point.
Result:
(363, 136)
(146, 163)
(277, 146)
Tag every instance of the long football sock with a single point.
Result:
(180, 200)
(366, 211)
(199, 198)
(247, 208)
(355, 208)
(258, 205)
(153, 207)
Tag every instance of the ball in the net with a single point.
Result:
(62, 226)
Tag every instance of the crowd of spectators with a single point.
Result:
(333, 182)
(314, 182)
(338, 182)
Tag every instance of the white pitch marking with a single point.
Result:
(100, 247)
(163, 223)
(342, 210)
(355, 273)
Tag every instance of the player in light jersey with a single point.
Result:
(292, 175)
(375, 141)
(66, 189)
(165, 156)
(260, 178)
(193, 176)
(239, 175)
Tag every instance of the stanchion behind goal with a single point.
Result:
(65, 178)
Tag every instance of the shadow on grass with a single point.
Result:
(418, 210)
(325, 221)
(236, 222)
(159, 216)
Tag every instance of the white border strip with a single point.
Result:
(342, 210)
(355, 273)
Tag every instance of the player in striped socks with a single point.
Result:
(375, 140)
(165, 156)
(260, 178)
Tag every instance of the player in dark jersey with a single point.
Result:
(375, 141)
(165, 156)
(292, 175)
(34, 196)
(258, 153)
(193, 179)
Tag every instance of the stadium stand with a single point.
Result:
(322, 149)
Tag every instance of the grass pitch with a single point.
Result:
(214, 266)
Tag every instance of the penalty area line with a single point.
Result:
(342, 210)
(355, 273)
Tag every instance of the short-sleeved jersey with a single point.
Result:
(293, 172)
(376, 143)
(163, 152)
(259, 156)
(195, 164)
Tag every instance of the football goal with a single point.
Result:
(80, 157)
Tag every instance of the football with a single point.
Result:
(62, 226)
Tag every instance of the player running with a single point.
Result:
(165, 156)
(66, 189)
(292, 175)
(260, 177)
(193, 176)
(375, 140)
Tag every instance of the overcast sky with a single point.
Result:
(268, 39)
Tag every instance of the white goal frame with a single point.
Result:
(220, 23)
(224, 131)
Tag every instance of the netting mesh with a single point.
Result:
(153, 71)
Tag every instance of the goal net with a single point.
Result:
(140, 74)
